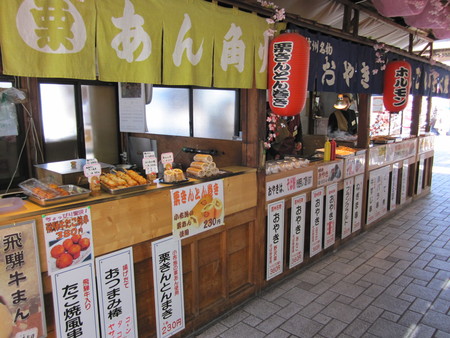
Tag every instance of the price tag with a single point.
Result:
(91, 161)
(150, 165)
(93, 169)
(167, 158)
(149, 154)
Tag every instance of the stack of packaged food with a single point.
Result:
(202, 166)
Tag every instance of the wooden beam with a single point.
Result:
(363, 121)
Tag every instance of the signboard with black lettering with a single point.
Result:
(330, 215)
(347, 204)
(316, 221)
(297, 241)
(357, 202)
(275, 239)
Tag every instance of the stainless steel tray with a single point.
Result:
(76, 193)
(125, 190)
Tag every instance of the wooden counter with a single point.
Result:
(218, 265)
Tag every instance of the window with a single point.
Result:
(196, 112)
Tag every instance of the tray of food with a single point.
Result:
(50, 194)
(120, 182)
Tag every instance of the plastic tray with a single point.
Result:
(9, 204)
(75, 193)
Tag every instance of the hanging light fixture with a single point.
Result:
(340, 103)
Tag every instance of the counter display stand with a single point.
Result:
(311, 210)
(218, 265)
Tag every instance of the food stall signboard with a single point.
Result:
(354, 165)
(357, 202)
(275, 239)
(404, 189)
(329, 173)
(197, 208)
(297, 242)
(288, 185)
(420, 174)
(168, 286)
(68, 238)
(75, 301)
(330, 215)
(117, 300)
(21, 302)
(378, 193)
(347, 204)
(167, 158)
(394, 185)
(316, 221)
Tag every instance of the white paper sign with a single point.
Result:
(347, 203)
(288, 185)
(68, 238)
(92, 169)
(378, 193)
(75, 302)
(132, 108)
(354, 165)
(117, 301)
(405, 174)
(420, 174)
(330, 173)
(315, 241)
(168, 286)
(357, 202)
(330, 215)
(394, 185)
(150, 165)
(275, 239)
(297, 242)
(166, 158)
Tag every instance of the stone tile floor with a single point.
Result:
(391, 281)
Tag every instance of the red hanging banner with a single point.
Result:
(397, 84)
(288, 73)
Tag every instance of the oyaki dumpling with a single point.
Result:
(169, 176)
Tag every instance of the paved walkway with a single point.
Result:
(391, 281)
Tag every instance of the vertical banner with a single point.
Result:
(347, 203)
(117, 300)
(420, 174)
(168, 286)
(297, 242)
(75, 302)
(404, 189)
(21, 302)
(394, 185)
(275, 239)
(330, 215)
(377, 196)
(68, 238)
(197, 208)
(357, 202)
(315, 242)
(132, 107)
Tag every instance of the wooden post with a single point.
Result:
(363, 121)
(415, 118)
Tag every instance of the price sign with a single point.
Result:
(149, 154)
(92, 169)
(150, 165)
(166, 158)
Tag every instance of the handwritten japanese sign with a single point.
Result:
(315, 245)
(297, 241)
(347, 207)
(197, 208)
(68, 238)
(330, 215)
(21, 305)
(288, 185)
(168, 286)
(329, 173)
(404, 183)
(394, 186)
(275, 239)
(357, 202)
(117, 300)
(75, 302)
(378, 193)
(420, 174)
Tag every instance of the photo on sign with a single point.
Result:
(70, 251)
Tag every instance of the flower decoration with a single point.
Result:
(380, 57)
(274, 124)
(279, 15)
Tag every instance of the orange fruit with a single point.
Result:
(57, 251)
(76, 238)
(67, 243)
(64, 261)
(84, 243)
(75, 250)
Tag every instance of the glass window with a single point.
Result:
(59, 121)
(214, 113)
(168, 112)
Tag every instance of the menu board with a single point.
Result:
(329, 173)
(377, 194)
(297, 240)
(357, 202)
(394, 186)
(330, 215)
(288, 185)
(347, 205)
(275, 239)
(316, 221)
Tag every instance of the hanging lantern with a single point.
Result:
(397, 84)
(288, 73)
